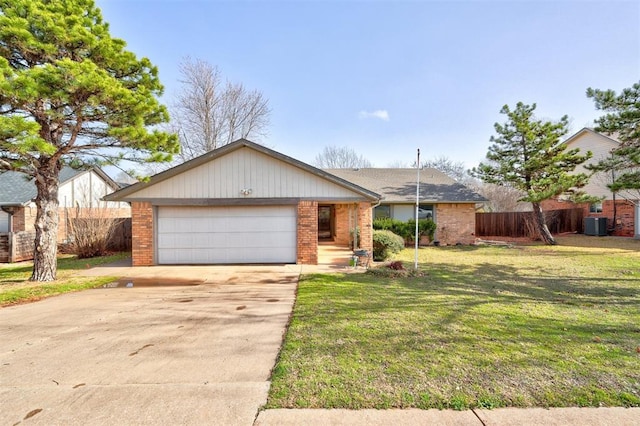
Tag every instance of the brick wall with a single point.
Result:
(343, 236)
(625, 214)
(142, 234)
(624, 225)
(365, 225)
(346, 221)
(456, 223)
(23, 218)
(307, 233)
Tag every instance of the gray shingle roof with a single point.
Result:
(18, 189)
(399, 185)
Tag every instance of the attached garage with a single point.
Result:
(219, 235)
(241, 203)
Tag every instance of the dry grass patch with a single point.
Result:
(481, 327)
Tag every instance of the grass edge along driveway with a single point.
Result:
(15, 286)
(529, 326)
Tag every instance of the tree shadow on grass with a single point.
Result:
(454, 291)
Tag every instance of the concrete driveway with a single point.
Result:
(179, 345)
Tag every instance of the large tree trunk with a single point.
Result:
(46, 241)
(543, 230)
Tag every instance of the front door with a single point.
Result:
(325, 222)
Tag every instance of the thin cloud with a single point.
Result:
(381, 114)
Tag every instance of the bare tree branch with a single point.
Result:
(333, 157)
(208, 114)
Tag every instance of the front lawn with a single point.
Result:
(15, 286)
(482, 327)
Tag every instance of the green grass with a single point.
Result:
(15, 286)
(478, 327)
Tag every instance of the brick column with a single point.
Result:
(342, 225)
(365, 225)
(456, 223)
(307, 233)
(141, 234)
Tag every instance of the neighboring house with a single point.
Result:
(79, 191)
(622, 209)
(245, 203)
(450, 204)
(242, 203)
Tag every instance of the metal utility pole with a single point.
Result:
(417, 207)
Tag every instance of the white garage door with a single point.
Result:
(209, 235)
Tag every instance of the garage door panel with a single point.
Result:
(210, 235)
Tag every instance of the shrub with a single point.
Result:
(90, 231)
(384, 243)
(396, 265)
(426, 227)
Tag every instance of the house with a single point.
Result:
(242, 203)
(622, 209)
(245, 203)
(79, 190)
(450, 204)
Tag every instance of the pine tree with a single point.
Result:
(622, 121)
(71, 94)
(527, 154)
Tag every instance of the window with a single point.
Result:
(383, 210)
(595, 208)
(425, 211)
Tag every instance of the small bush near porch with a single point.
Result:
(546, 326)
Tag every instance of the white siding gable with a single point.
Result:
(245, 169)
(87, 190)
(601, 147)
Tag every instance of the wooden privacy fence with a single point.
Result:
(121, 238)
(514, 224)
(16, 246)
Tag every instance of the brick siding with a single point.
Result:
(307, 233)
(142, 234)
(456, 223)
(366, 226)
(23, 218)
(625, 214)
(342, 225)
(345, 222)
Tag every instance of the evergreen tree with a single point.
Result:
(71, 94)
(527, 155)
(623, 122)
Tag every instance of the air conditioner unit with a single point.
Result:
(595, 226)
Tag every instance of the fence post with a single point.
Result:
(11, 241)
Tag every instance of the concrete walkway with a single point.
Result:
(500, 416)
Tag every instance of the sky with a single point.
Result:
(385, 78)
